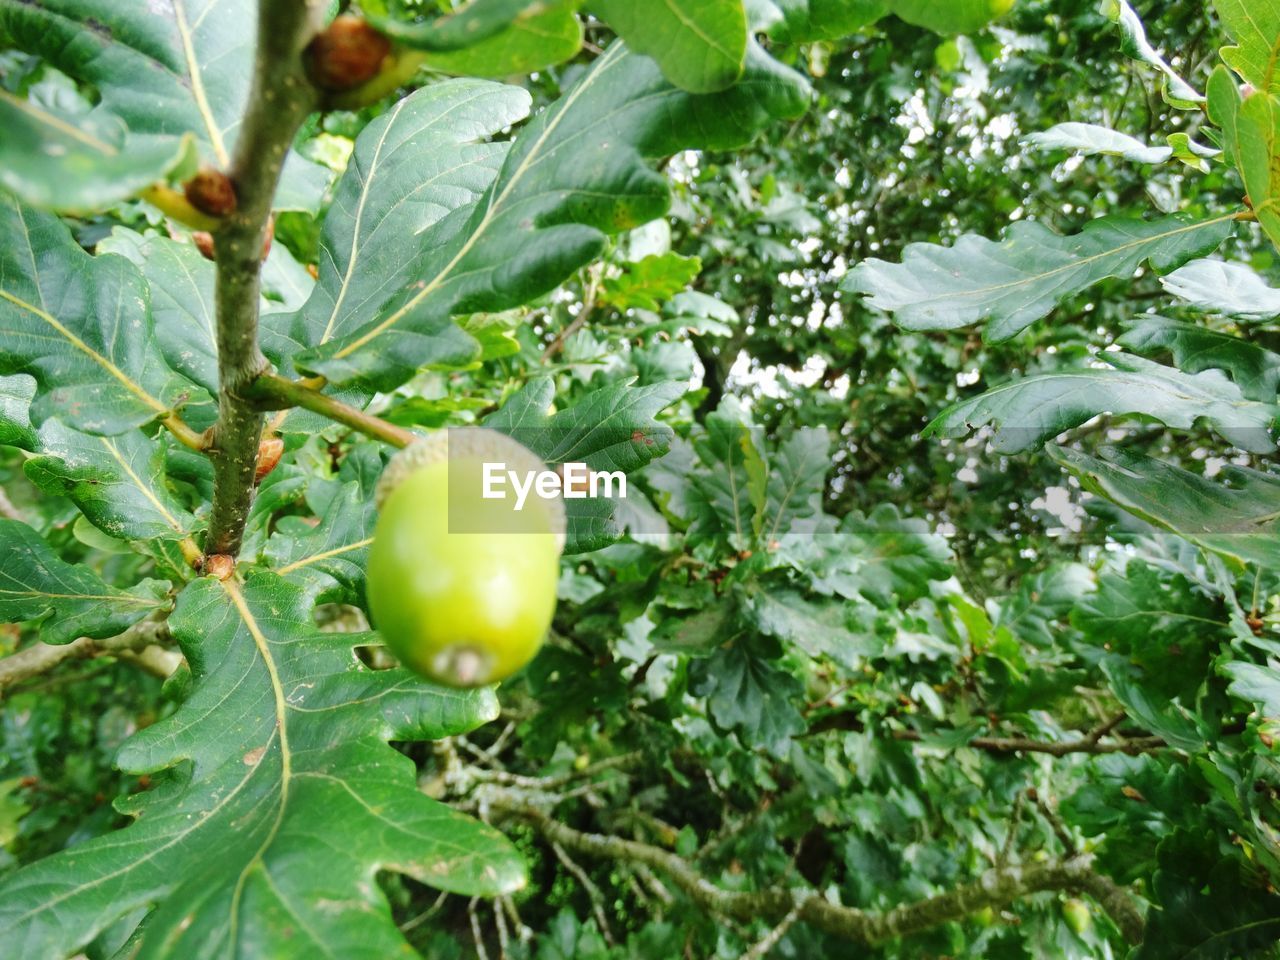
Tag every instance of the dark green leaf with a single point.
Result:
(70, 600)
(1236, 514)
(544, 217)
(80, 326)
(1255, 370)
(279, 800)
(701, 45)
(78, 163)
(1028, 412)
(118, 483)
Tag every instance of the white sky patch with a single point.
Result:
(1058, 503)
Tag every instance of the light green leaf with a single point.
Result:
(542, 35)
(649, 282)
(12, 809)
(1017, 281)
(1164, 719)
(1134, 43)
(1251, 138)
(117, 482)
(1027, 412)
(412, 167)
(954, 16)
(545, 217)
(723, 484)
(69, 600)
(885, 557)
(1236, 514)
(797, 472)
(1091, 138)
(1255, 370)
(1228, 288)
(806, 21)
(1256, 683)
(78, 163)
(80, 326)
(467, 25)
(279, 753)
(1255, 26)
(700, 313)
(701, 45)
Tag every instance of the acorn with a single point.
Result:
(461, 584)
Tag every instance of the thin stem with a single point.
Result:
(278, 102)
(192, 439)
(588, 308)
(274, 391)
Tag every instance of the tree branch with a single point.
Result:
(588, 308)
(275, 392)
(279, 100)
(141, 640)
(1091, 742)
(996, 887)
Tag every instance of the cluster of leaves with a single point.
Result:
(832, 641)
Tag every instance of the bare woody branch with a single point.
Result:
(995, 888)
(1092, 742)
(142, 642)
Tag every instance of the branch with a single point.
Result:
(588, 308)
(274, 392)
(140, 640)
(279, 100)
(996, 887)
(1091, 742)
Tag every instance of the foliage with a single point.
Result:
(937, 343)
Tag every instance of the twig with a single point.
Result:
(588, 308)
(995, 888)
(42, 657)
(274, 392)
(592, 891)
(504, 935)
(523, 933)
(481, 953)
(1055, 823)
(1014, 819)
(760, 950)
(426, 914)
(279, 100)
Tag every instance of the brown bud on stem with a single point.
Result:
(203, 240)
(347, 54)
(270, 449)
(211, 191)
(220, 565)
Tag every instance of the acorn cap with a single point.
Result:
(468, 443)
